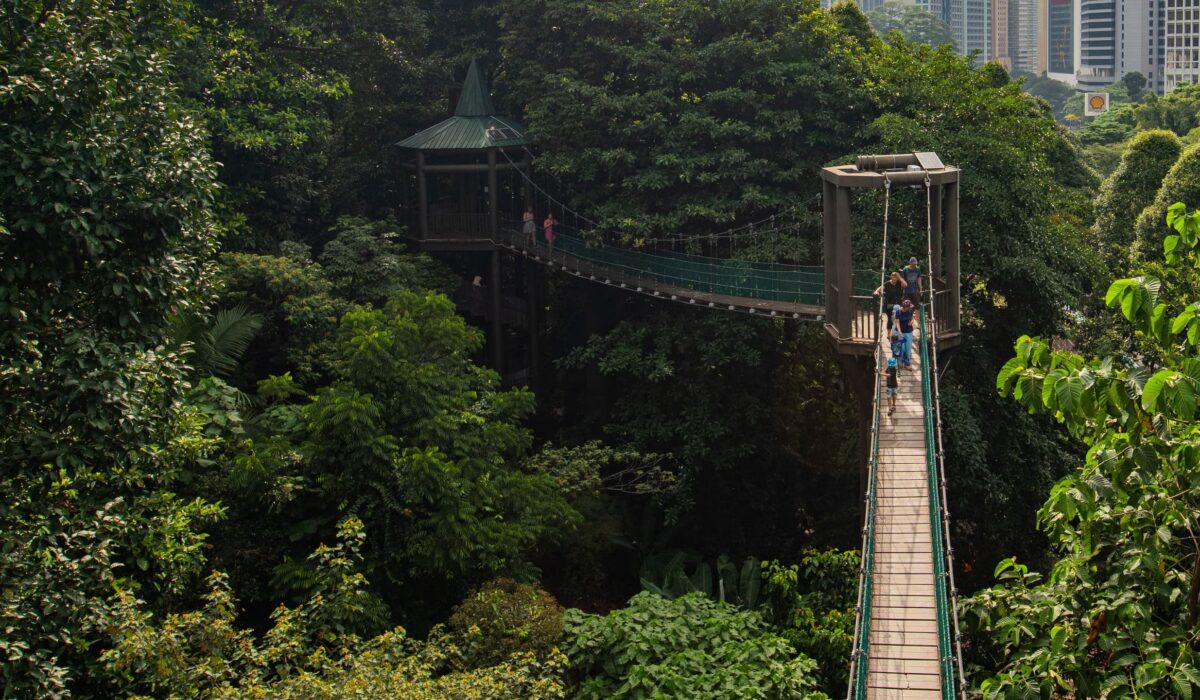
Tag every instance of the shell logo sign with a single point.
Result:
(1095, 103)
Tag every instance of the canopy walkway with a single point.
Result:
(905, 645)
(906, 630)
(772, 289)
(905, 640)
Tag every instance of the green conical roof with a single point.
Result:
(475, 100)
(475, 125)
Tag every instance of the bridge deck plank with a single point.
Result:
(903, 656)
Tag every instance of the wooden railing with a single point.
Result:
(942, 300)
(864, 318)
(455, 224)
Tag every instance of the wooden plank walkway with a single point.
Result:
(903, 658)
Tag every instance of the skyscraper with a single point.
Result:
(864, 5)
(1000, 36)
(933, 7)
(1095, 43)
(1061, 38)
(1138, 35)
(1181, 41)
(971, 24)
(1027, 35)
(1116, 37)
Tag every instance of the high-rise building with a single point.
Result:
(933, 7)
(1000, 37)
(1027, 35)
(1116, 37)
(952, 12)
(1157, 48)
(971, 24)
(1095, 43)
(1181, 41)
(1061, 39)
(1138, 34)
(864, 5)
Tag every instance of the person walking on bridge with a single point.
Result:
(548, 228)
(913, 288)
(893, 385)
(893, 294)
(897, 340)
(527, 227)
(904, 318)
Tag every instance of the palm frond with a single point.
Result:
(229, 336)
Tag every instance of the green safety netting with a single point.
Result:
(735, 278)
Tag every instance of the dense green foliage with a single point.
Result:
(301, 98)
(682, 116)
(1052, 91)
(504, 618)
(1179, 111)
(105, 227)
(311, 650)
(691, 646)
(1129, 190)
(209, 374)
(1181, 184)
(1118, 610)
(813, 603)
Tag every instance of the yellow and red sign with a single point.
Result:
(1095, 103)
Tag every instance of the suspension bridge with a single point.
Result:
(905, 639)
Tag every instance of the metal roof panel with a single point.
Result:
(464, 134)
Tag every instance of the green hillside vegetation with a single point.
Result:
(255, 445)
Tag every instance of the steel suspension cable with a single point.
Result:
(940, 457)
(860, 657)
(728, 233)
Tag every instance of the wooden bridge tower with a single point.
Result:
(852, 321)
(467, 172)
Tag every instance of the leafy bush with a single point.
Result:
(504, 618)
(311, 651)
(670, 579)
(688, 647)
(1131, 189)
(813, 605)
(1181, 184)
(1117, 614)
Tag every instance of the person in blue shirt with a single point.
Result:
(913, 286)
(893, 385)
(904, 319)
(896, 338)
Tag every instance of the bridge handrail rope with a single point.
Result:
(951, 661)
(645, 250)
(860, 657)
(734, 278)
(745, 230)
(943, 568)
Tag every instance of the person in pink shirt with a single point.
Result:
(548, 227)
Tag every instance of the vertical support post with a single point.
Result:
(533, 280)
(829, 226)
(526, 193)
(423, 194)
(953, 272)
(843, 262)
(935, 216)
(493, 197)
(497, 339)
(859, 372)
